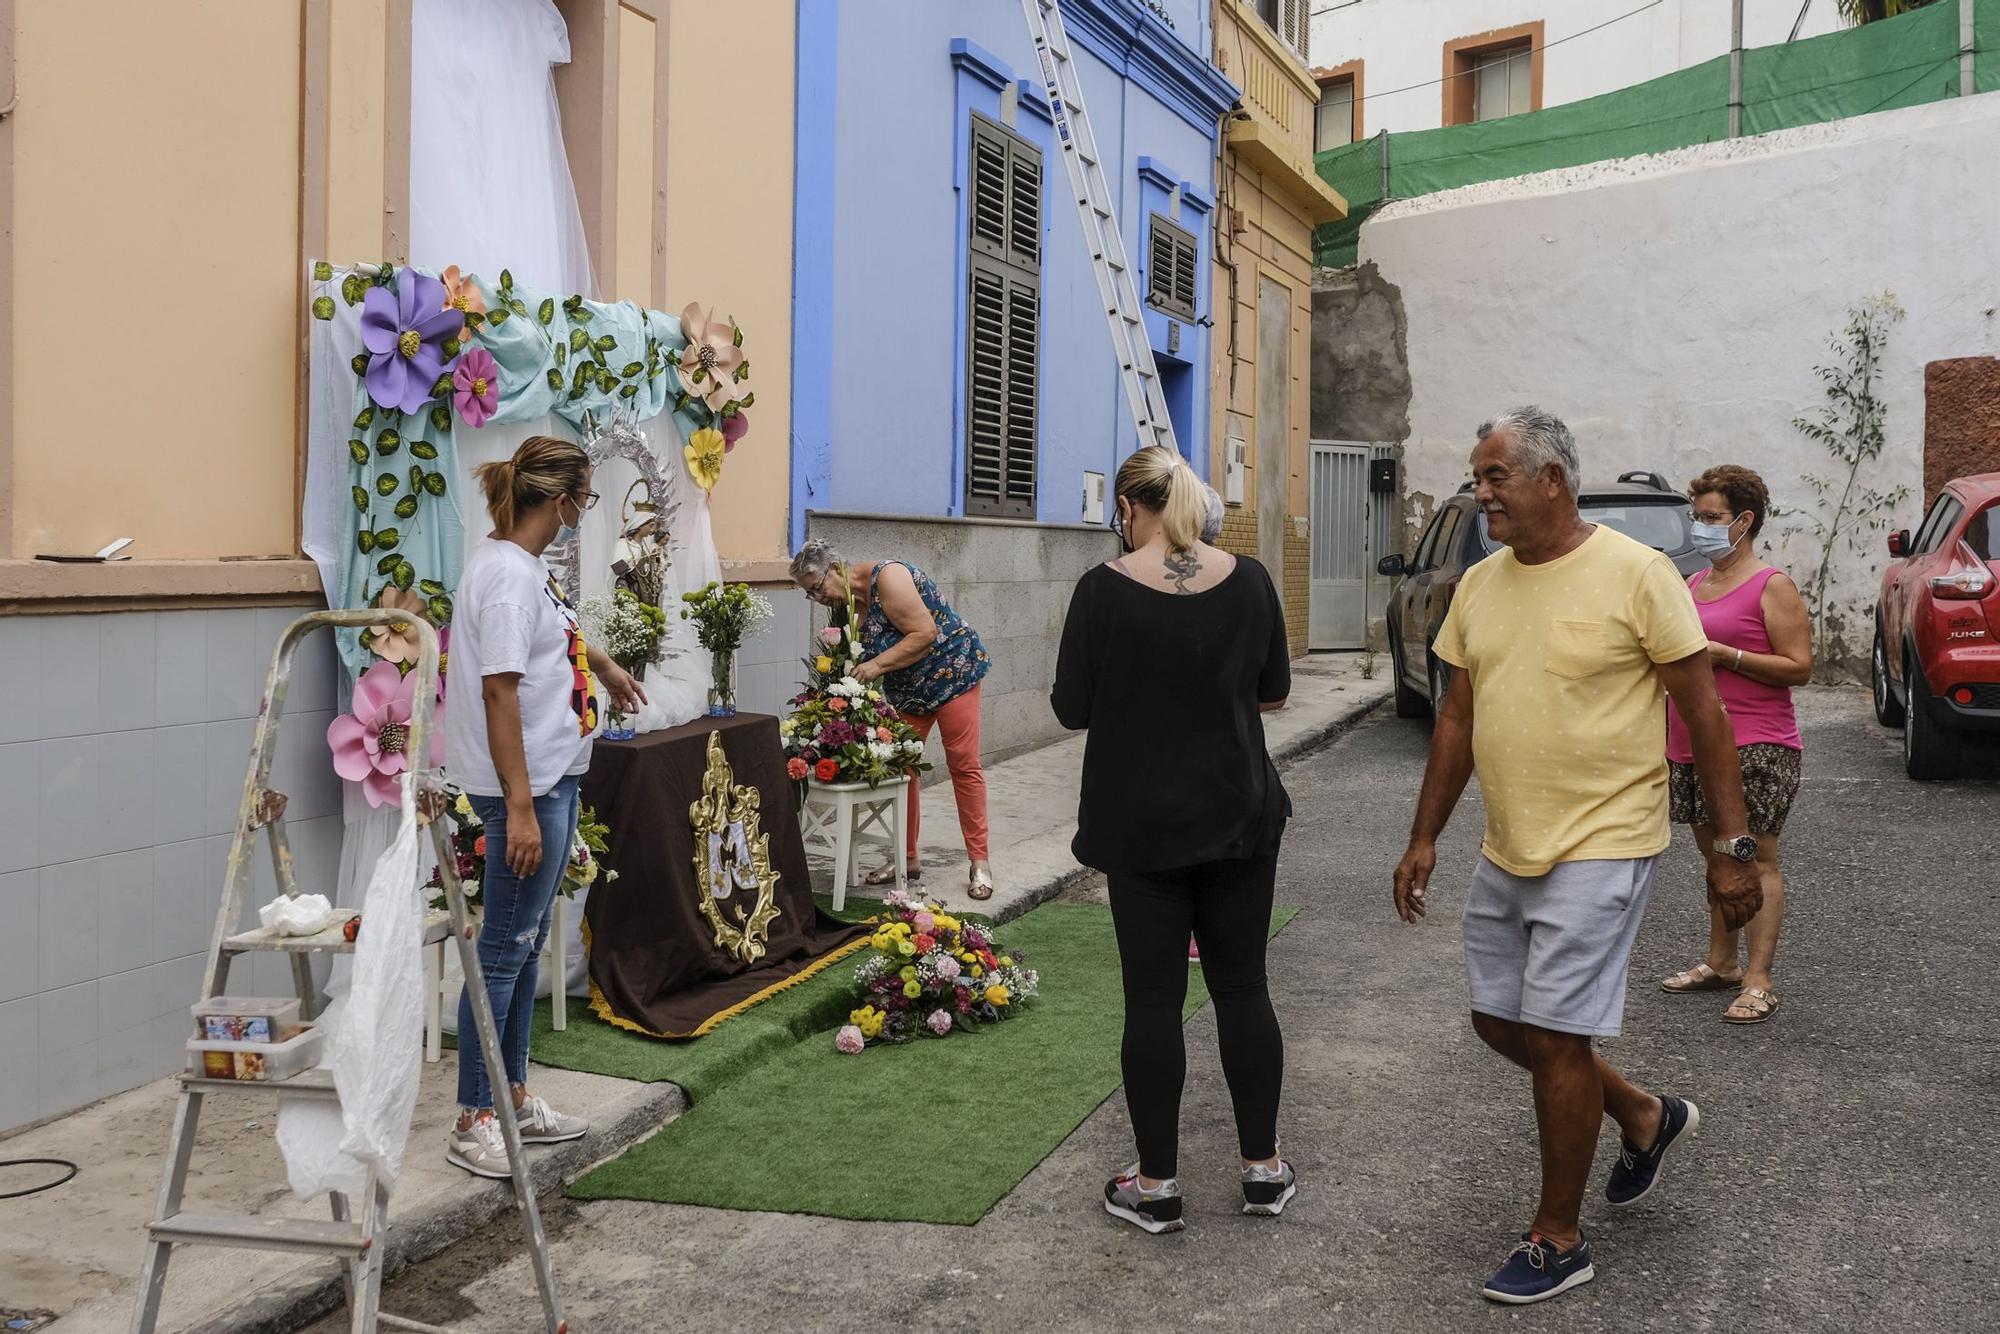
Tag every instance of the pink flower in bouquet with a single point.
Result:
(849, 1040)
(368, 744)
(975, 939)
(940, 1022)
(947, 968)
(884, 734)
(796, 769)
(837, 704)
(965, 1000)
(923, 921)
(830, 636)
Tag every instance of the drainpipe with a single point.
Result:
(1736, 70)
(1966, 40)
(1222, 211)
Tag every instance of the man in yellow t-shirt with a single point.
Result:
(1558, 650)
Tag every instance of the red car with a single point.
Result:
(1937, 628)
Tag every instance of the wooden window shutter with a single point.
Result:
(1186, 255)
(1003, 322)
(1171, 252)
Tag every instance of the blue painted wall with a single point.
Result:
(886, 90)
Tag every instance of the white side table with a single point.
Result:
(439, 989)
(839, 817)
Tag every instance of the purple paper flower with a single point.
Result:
(477, 382)
(849, 1040)
(405, 333)
(940, 1022)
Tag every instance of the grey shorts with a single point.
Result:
(1552, 950)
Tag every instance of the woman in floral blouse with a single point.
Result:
(930, 664)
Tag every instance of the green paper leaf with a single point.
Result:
(738, 332)
(681, 402)
(496, 318)
(387, 538)
(364, 419)
(474, 318)
(361, 498)
(322, 271)
(632, 369)
(440, 608)
(406, 508)
(605, 342)
(435, 483)
(442, 387)
(385, 484)
(546, 312)
(506, 279)
(518, 306)
(353, 289)
(424, 449)
(404, 574)
(746, 401)
(629, 391)
(562, 354)
(359, 450)
(451, 346)
(322, 307)
(416, 477)
(572, 301)
(577, 339)
(555, 379)
(430, 588)
(388, 442)
(365, 540)
(440, 421)
(388, 563)
(359, 363)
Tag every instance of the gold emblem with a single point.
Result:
(731, 853)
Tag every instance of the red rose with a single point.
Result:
(828, 770)
(479, 846)
(796, 769)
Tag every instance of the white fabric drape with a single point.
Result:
(490, 186)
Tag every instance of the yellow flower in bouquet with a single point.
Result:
(913, 988)
(824, 664)
(940, 922)
(869, 1020)
(996, 994)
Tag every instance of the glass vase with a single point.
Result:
(722, 685)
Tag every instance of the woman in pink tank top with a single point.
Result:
(1760, 645)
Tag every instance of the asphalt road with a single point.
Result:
(1844, 1178)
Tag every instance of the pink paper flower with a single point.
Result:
(369, 743)
(940, 1022)
(734, 427)
(476, 386)
(849, 1040)
(708, 363)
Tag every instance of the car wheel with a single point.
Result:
(1409, 703)
(1930, 750)
(1888, 709)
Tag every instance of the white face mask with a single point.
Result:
(1713, 540)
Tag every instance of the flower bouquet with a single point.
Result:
(928, 972)
(468, 845)
(724, 616)
(630, 630)
(842, 731)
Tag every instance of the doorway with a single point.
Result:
(1340, 545)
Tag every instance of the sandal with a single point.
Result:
(1755, 1004)
(980, 886)
(886, 875)
(1700, 978)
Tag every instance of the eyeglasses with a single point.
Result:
(589, 501)
(1701, 516)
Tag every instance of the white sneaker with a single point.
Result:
(543, 1124)
(479, 1149)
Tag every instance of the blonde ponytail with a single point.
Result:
(1160, 480)
(542, 468)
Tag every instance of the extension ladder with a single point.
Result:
(355, 1240)
(1115, 285)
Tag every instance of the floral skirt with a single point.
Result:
(1770, 782)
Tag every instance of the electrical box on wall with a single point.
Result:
(1235, 463)
(1093, 497)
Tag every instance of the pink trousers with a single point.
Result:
(958, 721)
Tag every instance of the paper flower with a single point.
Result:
(476, 383)
(704, 452)
(369, 743)
(849, 1040)
(405, 333)
(397, 643)
(710, 358)
(734, 427)
(461, 293)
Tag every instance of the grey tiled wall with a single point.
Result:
(123, 743)
(769, 669)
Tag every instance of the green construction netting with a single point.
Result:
(1894, 63)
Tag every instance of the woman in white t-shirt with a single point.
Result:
(517, 744)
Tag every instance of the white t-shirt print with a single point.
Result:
(511, 616)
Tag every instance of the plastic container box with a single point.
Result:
(268, 1061)
(246, 1019)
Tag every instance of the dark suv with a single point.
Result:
(1639, 504)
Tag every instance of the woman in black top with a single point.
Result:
(1169, 655)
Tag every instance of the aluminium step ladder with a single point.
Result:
(354, 1233)
(1116, 288)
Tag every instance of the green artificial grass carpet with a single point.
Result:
(703, 1065)
(935, 1131)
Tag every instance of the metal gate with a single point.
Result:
(1340, 545)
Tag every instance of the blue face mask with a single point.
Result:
(1712, 539)
(569, 532)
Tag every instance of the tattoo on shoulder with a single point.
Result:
(1181, 567)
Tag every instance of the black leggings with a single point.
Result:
(1227, 907)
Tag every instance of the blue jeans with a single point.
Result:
(511, 938)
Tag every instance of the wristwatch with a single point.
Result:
(1743, 847)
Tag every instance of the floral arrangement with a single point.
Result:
(842, 731)
(725, 615)
(626, 626)
(468, 844)
(712, 371)
(928, 972)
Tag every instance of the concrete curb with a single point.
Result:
(417, 1236)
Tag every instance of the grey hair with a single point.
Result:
(815, 558)
(1540, 440)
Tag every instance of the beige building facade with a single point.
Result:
(1271, 201)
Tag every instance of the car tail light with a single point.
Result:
(1974, 582)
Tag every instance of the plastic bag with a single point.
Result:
(306, 915)
(374, 1038)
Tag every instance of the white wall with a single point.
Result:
(1672, 308)
(1402, 43)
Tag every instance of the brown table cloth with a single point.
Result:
(655, 965)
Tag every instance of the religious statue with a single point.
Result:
(641, 565)
(730, 853)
